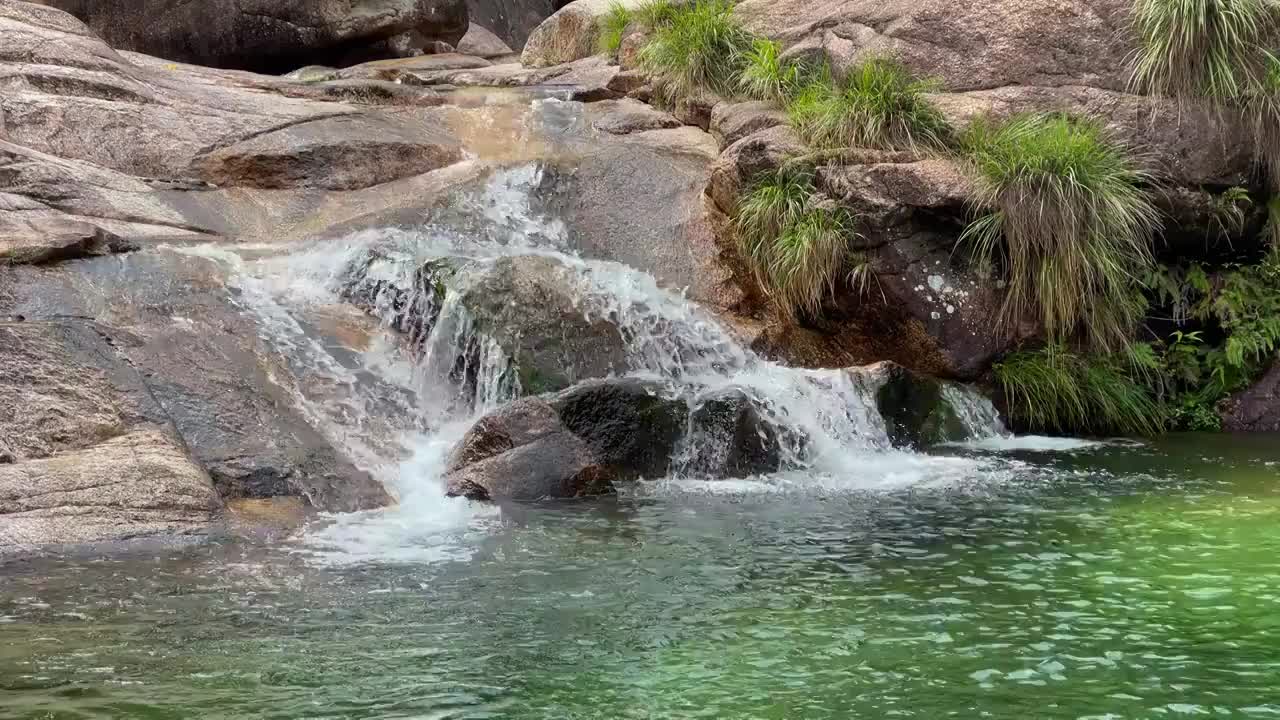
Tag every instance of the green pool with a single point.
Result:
(1107, 582)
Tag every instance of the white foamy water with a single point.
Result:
(398, 393)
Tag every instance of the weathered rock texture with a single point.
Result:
(571, 33)
(271, 35)
(91, 455)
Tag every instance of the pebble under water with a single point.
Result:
(1112, 581)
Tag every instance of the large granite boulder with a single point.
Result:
(271, 35)
(89, 456)
(571, 33)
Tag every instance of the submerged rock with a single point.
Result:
(271, 36)
(91, 456)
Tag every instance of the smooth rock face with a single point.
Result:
(40, 240)
(1257, 408)
(574, 444)
(481, 42)
(91, 456)
(270, 35)
(511, 20)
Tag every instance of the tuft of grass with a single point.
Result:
(1201, 48)
(1055, 390)
(1068, 220)
(796, 244)
(613, 25)
(700, 49)
(877, 105)
(655, 14)
(766, 76)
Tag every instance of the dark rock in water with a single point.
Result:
(631, 427)
(573, 444)
(1257, 408)
(271, 35)
(916, 412)
(729, 436)
(89, 455)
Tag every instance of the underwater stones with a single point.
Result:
(572, 444)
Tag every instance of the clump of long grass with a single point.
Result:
(1056, 390)
(766, 75)
(700, 49)
(1066, 216)
(796, 244)
(878, 104)
(613, 25)
(655, 13)
(1201, 48)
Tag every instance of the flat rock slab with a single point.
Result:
(334, 153)
(49, 239)
(91, 455)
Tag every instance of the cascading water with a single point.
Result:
(443, 370)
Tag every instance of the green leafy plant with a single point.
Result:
(1056, 390)
(655, 13)
(1229, 210)
(794, 241)
(1202, 48)
(878, 104)
(613, 25)
(1065, 215)
(701, 49)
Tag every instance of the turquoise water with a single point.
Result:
(1118, 582)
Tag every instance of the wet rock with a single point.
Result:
(1257, 408)
(915, 408)
(481, 42)
(623, 117)
(165, 313)
(336, 153)
(531, 306)
(574, 444)
(273, 36)
(731, 436)
(92, 457)
(54, 239)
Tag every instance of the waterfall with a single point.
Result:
(399, 402)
